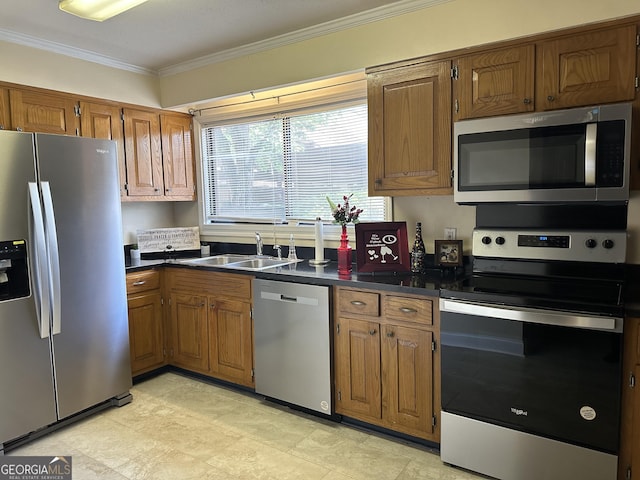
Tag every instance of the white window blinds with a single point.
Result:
(282, 169)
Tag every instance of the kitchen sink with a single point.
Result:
(260, 263)
(217, 260)
(240, 262)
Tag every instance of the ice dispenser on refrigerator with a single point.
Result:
(14, 272)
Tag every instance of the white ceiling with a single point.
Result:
(164, 36)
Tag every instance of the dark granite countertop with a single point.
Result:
(429, 283)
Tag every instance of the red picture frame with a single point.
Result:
(382, 247)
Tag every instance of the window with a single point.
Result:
(281, 169)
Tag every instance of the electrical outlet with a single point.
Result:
(449, 233)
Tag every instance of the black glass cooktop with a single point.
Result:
(587, 294)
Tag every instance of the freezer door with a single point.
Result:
(90, 332)
(27, 400)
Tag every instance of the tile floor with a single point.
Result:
(181, 428)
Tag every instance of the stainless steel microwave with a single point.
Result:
(574, 155)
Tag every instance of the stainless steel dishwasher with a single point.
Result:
(292, 343)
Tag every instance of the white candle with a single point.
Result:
(319, 241)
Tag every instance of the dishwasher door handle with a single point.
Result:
(281, 297)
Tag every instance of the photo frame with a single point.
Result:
(448, 253)
(382, 247)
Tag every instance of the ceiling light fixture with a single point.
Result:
(97, 10)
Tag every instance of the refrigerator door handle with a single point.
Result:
(54, 258)
(39, 252)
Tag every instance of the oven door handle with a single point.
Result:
(533, 315)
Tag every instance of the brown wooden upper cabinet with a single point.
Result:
(574, 70)
(589, 69)
(104, 121)
(5, 113)
(158, 156)
(410, 129)
(33, 111)
(143, 153)
(177, 155)
(496, 82)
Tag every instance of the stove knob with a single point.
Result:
(486, 240)
(500, 240)
(591, 243)
(608, 244)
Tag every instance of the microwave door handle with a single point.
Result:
(590, 155)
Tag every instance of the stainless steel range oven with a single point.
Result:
(531, 350)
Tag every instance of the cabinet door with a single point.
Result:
(230, 340)
(42, 112)
(410, 130)
(5, 113)
(634, 439)
(189, 340)
(629, 455)
(143, 153)
(589, 69)
(177, 156)
(357, 366)
(496, 82)
(145, 332)
(105, 121)
(407, 379)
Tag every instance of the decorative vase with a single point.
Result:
(344, 253)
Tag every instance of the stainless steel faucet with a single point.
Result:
(258, 244)
(278, 249)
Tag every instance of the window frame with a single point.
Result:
(339, 91)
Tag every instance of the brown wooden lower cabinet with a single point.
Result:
(146, 333)
(386, 360)
(231, 340)
(189, 341)
(629, 459)
(211, 328)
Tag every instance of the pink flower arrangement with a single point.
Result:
(343, 214)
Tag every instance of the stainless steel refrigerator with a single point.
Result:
(64, 340)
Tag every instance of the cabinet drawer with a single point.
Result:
(408, 309)
(359, 303)
(142, 281)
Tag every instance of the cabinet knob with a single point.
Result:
(527, 101)
(551, 98)
(357, 303)
(156, 189)
(18, 129)
(372, 331)
(212, 306)
(378, 181)
(168, 189)
(137, 284)
(1, 127)
(390, 334)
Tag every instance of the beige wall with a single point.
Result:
(38, 68)
(448, 26)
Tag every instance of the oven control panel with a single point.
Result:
(579, 246)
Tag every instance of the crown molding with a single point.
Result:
(374, 15)
(34, 42)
